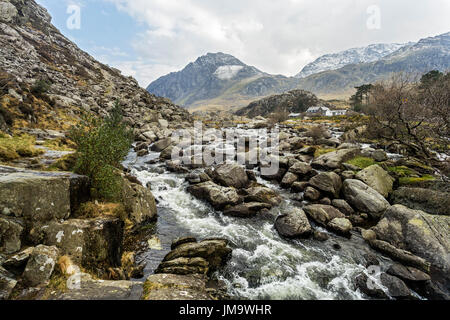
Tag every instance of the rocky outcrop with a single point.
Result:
(427, 236)
(428, 200)
(328, 182)
(364, 198)
(11, 234)
(294, 224)
(377, 178)
(7, 284)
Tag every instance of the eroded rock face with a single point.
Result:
(430, 201)
(377, 178)
(246, 210)
(219, 197)
(364, 198)
(40, 266)
(425, 235)
(7, 11)
(7, 284)
(328, 182)
(295, 224)
(230, 175)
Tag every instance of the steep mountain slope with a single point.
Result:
(427, 54)
(45, 79)
(218, 79)
(338, 60)
(294, 101)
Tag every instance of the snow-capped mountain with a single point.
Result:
(338, 60)
(219, 77)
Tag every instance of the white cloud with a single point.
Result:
(275, 36)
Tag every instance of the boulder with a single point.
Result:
(11, 232)
(262, 194)
(294, 224)
(425, 235)
(323, 214)
(379, 155)
(299, 186)
(302, 169)
(328, 182)
(161, 145)
(17, 263)
(369, 287)
(7, 12)
(246, 210)
(35, 196)
(86, 288)
(139, 203)
(87, 241)
(312, 194)
(184, 266)
(177, 287)
(7, 284)
(364, 198)
(40, 266)
(288, 179)
(341, 226)
(343, 207)
(396, 288)
(376, 178)
(408, 274)
(335, 159)
(219, 197)
(430, 201)
(230, 175)
(215, 254)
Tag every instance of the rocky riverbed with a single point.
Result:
(336, 220)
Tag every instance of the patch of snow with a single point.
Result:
(227, 72)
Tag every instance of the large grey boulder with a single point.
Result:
(7, 12)
(218, 196)
(246, 210)
(262, 194)
(335, 159)
(161, 145)
(430, 201)
(288, 180)
(425, 235)
(364, 198)
(40, 266)
(294, 224)
(301, 169)
(341, 226)
(323, 214)
(230, 175)
(11, 233)
(139, 203)
(87, 241)
(328, 182)
(377, 178)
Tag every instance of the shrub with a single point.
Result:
(102, 144)
(40, 87)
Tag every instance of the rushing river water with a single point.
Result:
(263, 265)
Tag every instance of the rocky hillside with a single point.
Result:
(428, 54)
(371, 53)
(45, 79)
(294, 101)
(218, 79)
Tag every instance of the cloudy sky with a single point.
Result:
(150, 38)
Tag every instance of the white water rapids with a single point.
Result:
(263, 265)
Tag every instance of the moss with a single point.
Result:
(12, 148)
(413, 180)
(402, 171)
(94, 210)
(362, 162)
(66, 163)
(59, 145)
(322, 151)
